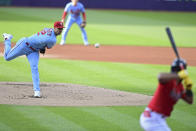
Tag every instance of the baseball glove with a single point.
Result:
(42, 51)
(83, 24)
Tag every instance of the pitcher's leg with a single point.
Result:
(33, 59)
(16, 51)
(7, 43)
(7, 48)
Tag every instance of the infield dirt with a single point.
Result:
(58, 94)
(128, 54)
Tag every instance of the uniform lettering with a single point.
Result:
(43, 32)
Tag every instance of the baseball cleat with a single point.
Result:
(37, 94)
(86, 43)
(62, 42)
(7, 36)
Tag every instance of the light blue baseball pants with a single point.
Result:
(33, 57)
(68, 25)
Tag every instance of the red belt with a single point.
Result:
(30, 46)
(147, 113)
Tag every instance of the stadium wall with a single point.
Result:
(170, 5)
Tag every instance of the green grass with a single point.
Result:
(119, 76)
(125, 118)
(143, 28)
(106, 27)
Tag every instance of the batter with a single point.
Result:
(169, 91)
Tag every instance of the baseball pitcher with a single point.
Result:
(31, 47)
(169, 91)
(74, 9)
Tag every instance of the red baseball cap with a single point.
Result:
(58, 24)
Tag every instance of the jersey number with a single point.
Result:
(43, 32)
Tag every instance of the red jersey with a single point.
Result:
(166, 96)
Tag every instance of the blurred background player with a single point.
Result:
(31, 46)
(74, 9)
(169, 91)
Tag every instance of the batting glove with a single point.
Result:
(183, 74)
(188, 83)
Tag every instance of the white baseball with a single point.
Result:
(97, 45)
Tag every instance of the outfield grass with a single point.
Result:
(106, 27)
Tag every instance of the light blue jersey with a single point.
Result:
(74, 17)
(74, 11)
(30, 47)
(45, 38)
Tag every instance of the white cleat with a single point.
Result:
(7, 36)
(86, 44)
(37, 94)
(62, 42)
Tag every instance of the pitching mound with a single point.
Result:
(57, 94)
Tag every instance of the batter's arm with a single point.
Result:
(166, 77)
(188, 96)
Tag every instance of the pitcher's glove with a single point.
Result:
(83, 24)
(42, 51)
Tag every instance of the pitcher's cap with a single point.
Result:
(58, 24)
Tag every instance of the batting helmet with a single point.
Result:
(178, 64)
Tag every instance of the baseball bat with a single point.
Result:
(172, 42)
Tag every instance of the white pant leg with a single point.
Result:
(153, 123)
(33, 59)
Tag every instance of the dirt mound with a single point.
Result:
(58, 94)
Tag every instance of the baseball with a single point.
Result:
(97, 45)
